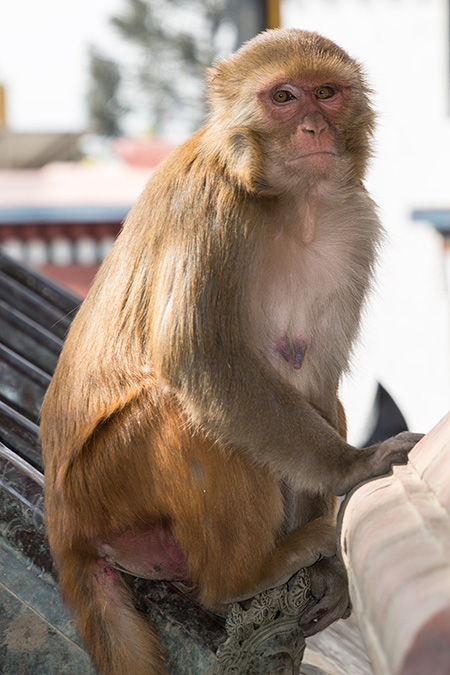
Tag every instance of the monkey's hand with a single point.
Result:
(329, 586)
(394, 451)
(377, 460)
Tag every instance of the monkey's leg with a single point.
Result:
(303, 547)
(328, 577)
(106, 488)
(310, 520)
(118, 638)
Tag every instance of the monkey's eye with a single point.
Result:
(282, 96)
(325, 92)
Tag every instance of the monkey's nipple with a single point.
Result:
(293, 351)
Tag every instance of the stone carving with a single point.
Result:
(266, 637)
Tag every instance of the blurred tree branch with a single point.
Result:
(104, 106)
(171, 43)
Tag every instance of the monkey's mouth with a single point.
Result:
(314, 154)
(316, 160)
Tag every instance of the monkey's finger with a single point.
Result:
(347, 613)
(405, 441)
(323, 614)
(409, 436)
(315, 612)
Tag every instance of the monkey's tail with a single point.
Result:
(119, 639)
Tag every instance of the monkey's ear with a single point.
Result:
(216, 81)
(238, 150)
(245, 159)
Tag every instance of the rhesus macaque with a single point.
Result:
(192, 430)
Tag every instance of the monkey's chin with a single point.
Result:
(314, 165)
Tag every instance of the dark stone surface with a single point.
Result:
(36, 634)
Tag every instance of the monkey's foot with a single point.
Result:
(329, 587)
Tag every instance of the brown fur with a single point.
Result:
(176, 405)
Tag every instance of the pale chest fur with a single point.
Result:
(306, 288)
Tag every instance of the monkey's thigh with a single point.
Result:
(231, 518)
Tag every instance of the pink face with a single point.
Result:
(305, 112)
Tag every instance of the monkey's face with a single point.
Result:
(300, 125)
(302, 100)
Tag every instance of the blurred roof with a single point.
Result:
(68, 192)
(34, 150)
(74, 191)
(141, 151)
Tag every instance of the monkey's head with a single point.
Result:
(290, 106)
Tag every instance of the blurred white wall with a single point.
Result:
(44, 60)
(404, 47)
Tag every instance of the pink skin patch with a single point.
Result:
(149, 554)
(292, 351)
(105, 574)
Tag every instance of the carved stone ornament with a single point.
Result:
(266, 637)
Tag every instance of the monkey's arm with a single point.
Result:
(199, 348)
(253, 410)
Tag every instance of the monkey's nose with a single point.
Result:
(314, 124)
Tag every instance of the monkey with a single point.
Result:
(192, 430)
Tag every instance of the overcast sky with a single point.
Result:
(44, 59)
